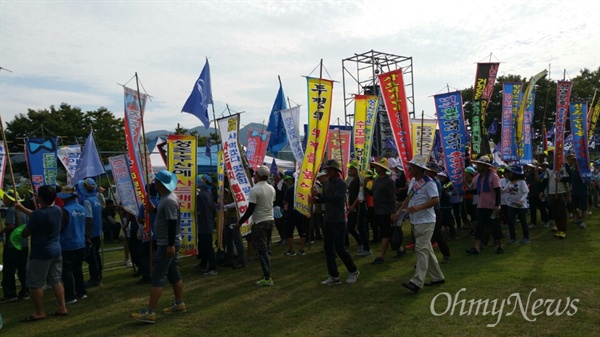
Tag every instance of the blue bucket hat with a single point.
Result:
(167, 178)
(87, 186)
(67, 192)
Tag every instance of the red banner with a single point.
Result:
(338, 147)
(258, 140)
(394, 97)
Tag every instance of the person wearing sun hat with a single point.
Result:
(384, 198)
(516, 191)
(357, 210)
(333, 196)
(93, 223)
(438, 237)
(168, 240)
(534, 179)
(557, 192)
(470, 198)
(72, 244)
(14, 259)
(488, 188)
(422, 197)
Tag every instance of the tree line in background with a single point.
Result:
(72, 125)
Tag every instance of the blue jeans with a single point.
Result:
(333, 242)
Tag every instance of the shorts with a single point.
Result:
(579, 201)
(165, 267)
(298, 221)
(42, 272)
(385, 225)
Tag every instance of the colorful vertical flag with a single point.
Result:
(485, 77)
(208, 146)
(200, 97)
(338, 147)
(578, 116)
(452, 135)
(394, 97)
(40, 154)
(291, 122)
(525, 147)
(563, 96)
(422, 131)
(69, 156)
(527, 103)
(119, 165)
(275, 125)
(594, 113)
(365, 113)
(220, 194)
(135, 104)
(239, 181)
(2, 164)
(256, 149)
(183, 162)
(511, 99)
(319, 113)
(274, 169)
(90, 164)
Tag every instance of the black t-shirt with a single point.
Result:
(401, 182)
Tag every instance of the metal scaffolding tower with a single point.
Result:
(359, 76)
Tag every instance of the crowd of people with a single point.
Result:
(65, 226)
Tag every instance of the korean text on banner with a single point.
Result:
(394, 97)
(256, 149)
(135, 104)
(291, 122)
(578, 111)
(511, 99)
(485, 78)
(319, 112)
(69, 156)
(183, 162)
(338, 147)
(239, 182)
(563, 96)
(452, 133)
(521, 112)
(525, 146)
(365, 112)
(593, 113)
(422, 132)
(119, 166)
(41, 161)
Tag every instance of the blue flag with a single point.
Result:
(273, 167)
(389, 143)
(201, 97)
(90, 164)
(208, 145)
(493, 129)
(278, 136)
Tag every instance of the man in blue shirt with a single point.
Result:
(93, 224)
(45, 261)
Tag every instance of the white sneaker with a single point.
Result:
(128, 263)
(352, 277)
(365, 253)
(331, 281)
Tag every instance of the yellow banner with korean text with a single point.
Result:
(365, 112)
(319, 113)
(422, 133)
(183, 161)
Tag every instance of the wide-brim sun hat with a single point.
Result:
(370, 174)
(167, 178)
(485, 160)
(419, 160)
(470, 170)
(10, 194)
(383, 162)
(321, 173)
(534, 164)
(443, 174)
(67, 192)
(516, 169)
(332, 163)
(353, 164)
(15, 237)
(433, 167)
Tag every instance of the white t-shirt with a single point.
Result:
(263, 195)
(422, 194)
(504, 195)
(516, 192)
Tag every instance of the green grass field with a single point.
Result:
(560, 277)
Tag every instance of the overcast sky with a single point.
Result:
(77, 51)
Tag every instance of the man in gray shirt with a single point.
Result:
(166, 263)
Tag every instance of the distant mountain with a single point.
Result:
(204, 132)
